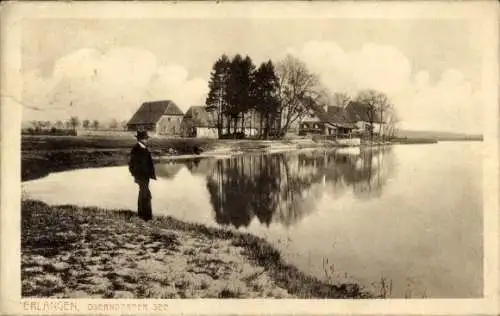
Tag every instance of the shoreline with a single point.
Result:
(38, 159)
(72, 251)
(41, 156)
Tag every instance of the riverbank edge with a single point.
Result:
(257, 250)
(65, 153)
(37, 163)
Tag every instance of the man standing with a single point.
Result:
(142, 169)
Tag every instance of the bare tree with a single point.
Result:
(75, 122)
(86, 124)
(392, 122)
(95, 124)
(298, 90)
(386, 111)
(341, 99)
(376, 103)
(113, 124)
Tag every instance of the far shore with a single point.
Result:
(42, 155)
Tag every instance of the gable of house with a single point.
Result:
(151, 112)
(198, 116)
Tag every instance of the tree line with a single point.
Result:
(278, 96)
(74, 123)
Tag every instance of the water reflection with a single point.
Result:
(374, 214)
(284, 188)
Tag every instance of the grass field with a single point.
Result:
(42, 143)
(69, 251)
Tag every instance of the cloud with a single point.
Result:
(451, 103)
(105, 85)
(373, 66)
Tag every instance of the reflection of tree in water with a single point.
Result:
(285, 187)
(297, 194)
(229, 193)
(262, 186)
(372, 169)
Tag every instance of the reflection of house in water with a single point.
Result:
(167, 170)
(284, 188)
(200, 166)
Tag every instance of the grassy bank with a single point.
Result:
(41, 155)
(68, 251)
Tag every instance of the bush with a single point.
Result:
(238, 135)
(52, 131)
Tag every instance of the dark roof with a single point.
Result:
(200, 117)
(151, 112)
(338, 116)
(358, 111)
(319, 112)
(334, 115)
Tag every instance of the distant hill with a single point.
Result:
(437, 135)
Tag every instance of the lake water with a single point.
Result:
(403, 220)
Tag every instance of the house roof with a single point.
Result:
(338, 116)
(334, 115)
(358, 111)
(200, 117)
(151, 112)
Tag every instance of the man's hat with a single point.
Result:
(142, 135)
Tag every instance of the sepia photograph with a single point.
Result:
(247, 156)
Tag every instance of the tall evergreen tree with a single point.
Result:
(265, 97)
(239, 88)
(217, 99)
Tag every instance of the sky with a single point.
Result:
(105, 68)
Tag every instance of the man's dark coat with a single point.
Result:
(142, 169)
(141, 164)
